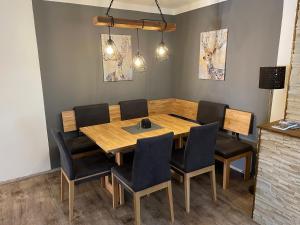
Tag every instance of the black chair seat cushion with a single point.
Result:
(91, 115)
(97, 165)
(133, 109)
(80, 144)
(229, 147)
(124, 174)
(177, 160)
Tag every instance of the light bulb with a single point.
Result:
(139, 63)
(109, 50)
(162, 52)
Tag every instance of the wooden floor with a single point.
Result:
(36, 201)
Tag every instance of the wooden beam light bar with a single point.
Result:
(133, 24)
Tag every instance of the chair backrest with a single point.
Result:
(200, 148)
(239, 122)
(151, 163)
(133, 109)
(91, 115)
(65, 155)
(210, 112)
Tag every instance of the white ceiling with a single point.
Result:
(171, 7)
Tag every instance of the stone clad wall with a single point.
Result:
(277, 198)
(293, 101)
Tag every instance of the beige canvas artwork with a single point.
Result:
(212, 59)
(119, 68)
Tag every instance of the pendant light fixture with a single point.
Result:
(110, 49)
(139, 63)
(162, 51)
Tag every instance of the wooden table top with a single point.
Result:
(112, 138)
(291, 132)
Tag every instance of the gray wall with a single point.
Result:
(71, 66)
(72, 73)
(253, 39)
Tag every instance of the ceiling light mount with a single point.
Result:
(145, 24)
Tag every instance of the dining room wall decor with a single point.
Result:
(120, 67)
(213, 45)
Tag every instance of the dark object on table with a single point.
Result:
(146, 123)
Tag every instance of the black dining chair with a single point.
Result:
(197, 158)
(150, 172)
(210, 112)
(76, 171)
(133, 109)
(87, 115)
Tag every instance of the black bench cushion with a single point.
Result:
(133, 109)
(96, 165)
(230, 147)
(80, 144)
(91, 115)
(210, 112)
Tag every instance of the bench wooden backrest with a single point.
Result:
(161, 106)
(235, 120)
(238, 121)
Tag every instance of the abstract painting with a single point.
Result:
(119, 68)
(212, 59)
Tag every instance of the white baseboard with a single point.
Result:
(30, 176)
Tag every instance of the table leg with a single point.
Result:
(119, 161)
(108, 184)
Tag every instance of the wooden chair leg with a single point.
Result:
(248, 166)
(102, 182)
(170, 198)
(121, 195)
(213, 184)
(115, 194)
(71, 200)
(62, 185)
(137, 209)
(187, 192)
(226, 174)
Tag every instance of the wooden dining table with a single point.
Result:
(113, 138)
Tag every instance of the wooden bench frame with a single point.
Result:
(184, 108)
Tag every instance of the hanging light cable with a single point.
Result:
(110, 49)
(139, 63)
